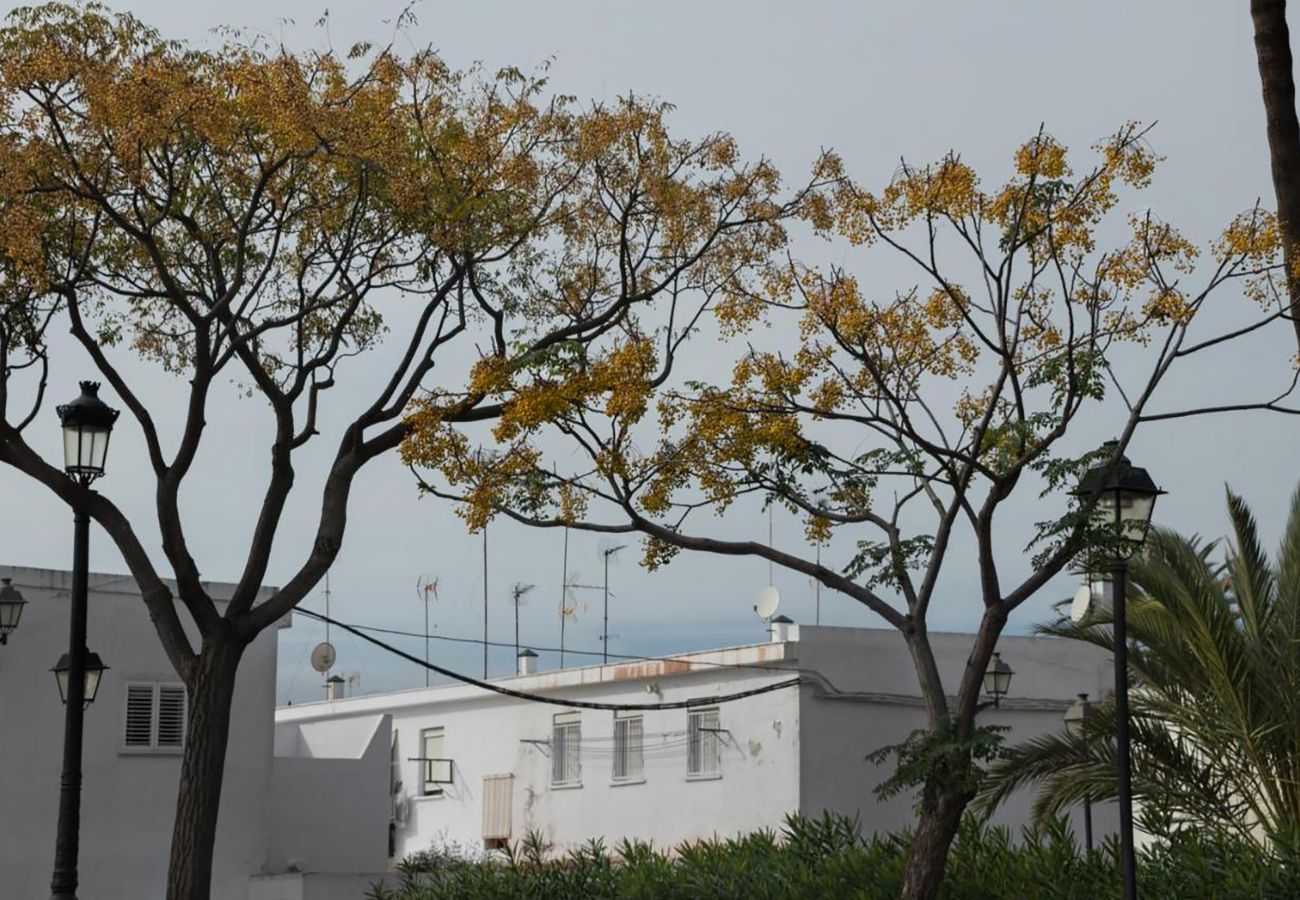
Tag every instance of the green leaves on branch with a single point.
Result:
(942, 758)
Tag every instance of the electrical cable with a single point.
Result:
(758, 667)
(554, 701)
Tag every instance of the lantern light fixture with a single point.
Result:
(87, 425)
(1126, 497)
(95, 669)
(997, 680)
(11, 608)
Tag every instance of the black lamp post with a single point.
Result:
(1125, 496)
(11, 609)
(997, 680)
(87, 425)
(1075, 717)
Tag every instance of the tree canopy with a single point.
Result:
(249, 220)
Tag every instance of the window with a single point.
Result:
(628, 759)
(566, 759)
(703, 745)
(434, 761)
(154, 718)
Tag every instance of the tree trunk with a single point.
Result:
(211, 689)
(940, 815)
(1273, 53)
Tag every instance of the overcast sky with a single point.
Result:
(876, 81)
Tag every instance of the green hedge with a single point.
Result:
(828, 859)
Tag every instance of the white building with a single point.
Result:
(131, 762)
(471, 769)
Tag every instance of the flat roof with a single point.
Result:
(758, 656)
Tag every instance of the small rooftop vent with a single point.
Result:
(781, 629)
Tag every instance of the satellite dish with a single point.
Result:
(769, 599)
(1081, 605)
(322, 657)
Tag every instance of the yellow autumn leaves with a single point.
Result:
(581, 250)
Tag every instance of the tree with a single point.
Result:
(1215, 660)
(256, 216)
(1273, 54)
(904, 423)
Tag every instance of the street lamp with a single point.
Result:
(87, 426)
(95, 669)
(997, 680)
(11, 609)
(1124, 496)
(1075, 717)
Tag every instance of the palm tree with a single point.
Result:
(1215, 711)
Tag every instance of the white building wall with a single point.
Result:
(489, 735)
(879, 704)
(128, 799)
(796, 749)
(329, 802)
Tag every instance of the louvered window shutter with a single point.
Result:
(155, 716)
(171, 715)
(138, 731)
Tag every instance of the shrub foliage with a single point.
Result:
(829, 859)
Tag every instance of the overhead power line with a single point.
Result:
(629, 657)
(713, 700)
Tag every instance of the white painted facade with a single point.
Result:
(129, 792)
(796, 749)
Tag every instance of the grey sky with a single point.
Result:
(876, 81)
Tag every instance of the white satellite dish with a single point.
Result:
(1081, 605)
(322, 657)
(769, 599)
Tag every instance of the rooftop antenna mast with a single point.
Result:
(323, 655)
(564, 592)
(327, 609)
(768, 599)
(485, 603)
(606, 553)
(770, 542)
(569, 605)
(818, 583)
(425, 588)
(517, 598)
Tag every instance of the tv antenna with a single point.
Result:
(570, 605)
(517, 594)
(570, 584)
(485, 603)
(770, 542)
(607, 551)
(424, 588)
(818, 583)
(323, 654)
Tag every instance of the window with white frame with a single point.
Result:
(566, 750)
(703, 743)
(153, 718)
(434, 764)
(629, 764)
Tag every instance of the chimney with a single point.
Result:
(781, 630)
(334, 688)
(527, 662)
